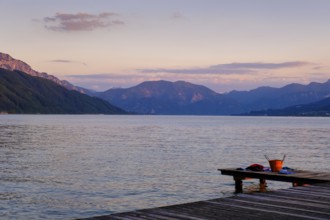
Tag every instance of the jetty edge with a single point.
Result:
(297, 202)
(297, 177)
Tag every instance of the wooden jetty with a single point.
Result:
(301, 202)
(297, 177)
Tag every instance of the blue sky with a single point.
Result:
(225, 45)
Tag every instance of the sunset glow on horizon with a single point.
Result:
(224, 45)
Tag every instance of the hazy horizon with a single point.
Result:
(224, 45)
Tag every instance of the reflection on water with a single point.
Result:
(79, 166)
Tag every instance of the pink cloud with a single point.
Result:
(81, 21)
(177, 15)
(230, 68)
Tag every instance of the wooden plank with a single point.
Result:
(310, 202)
(297, 195)
(292, 198)
(181, 212)
(160, 213)
(157, 214)
(292, 209)
(284, 204)
(213, 210)
(265, 212)
(324, 197)
(318, 192)
(315, 188)
(286, 200)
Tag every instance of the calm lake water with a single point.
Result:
(65, 167)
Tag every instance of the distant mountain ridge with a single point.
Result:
(184, 98)
(320, 108)
(21, 93)
(9, 63)
(164, 97)
(264, 98)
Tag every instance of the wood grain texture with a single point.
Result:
(303, 202)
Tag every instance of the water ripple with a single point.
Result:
(64, 167)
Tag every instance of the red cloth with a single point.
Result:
(255, 167)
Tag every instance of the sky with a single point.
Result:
(222, 44)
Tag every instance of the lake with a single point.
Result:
(75, 166)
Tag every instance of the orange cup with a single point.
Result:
(276, 165)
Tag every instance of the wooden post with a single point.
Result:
(238, 184)
(294, 184)
(262, 185)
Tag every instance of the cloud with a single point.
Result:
(231, 68)
(221, 77)
(68, 62)
(94, 76)
(321, 67)
(105, 81)
(36, 20)
(61, 61)
(177, 15)
(208, 70)
(81, 21)
(260, 65)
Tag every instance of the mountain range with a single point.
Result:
(24, 90)
(9, 63)
(178, 98)
(264, 98)
(320, 108)
(21, 93)
(183, 98)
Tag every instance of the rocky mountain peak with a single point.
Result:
(5, 57)
(9, 63)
